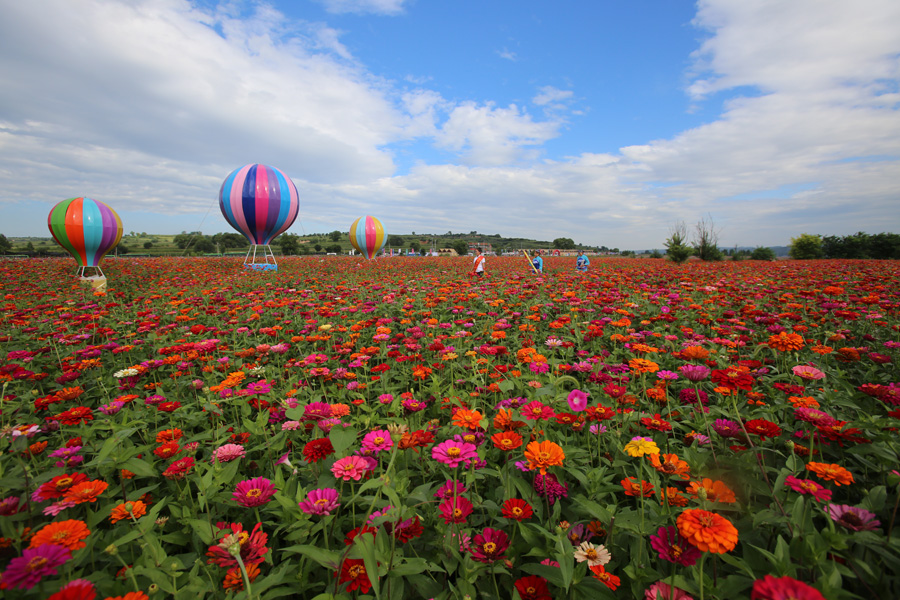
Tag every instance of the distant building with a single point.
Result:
(447, 252)
(485, 247)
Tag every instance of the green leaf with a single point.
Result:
(139, 467)
(342, 438)
(327, 558)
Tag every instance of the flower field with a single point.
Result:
(397, 429)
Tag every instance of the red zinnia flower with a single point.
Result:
(518, 509)
(179, 468)
(353, 572)
(783, 588)
(489, 545)
(507, 440)
(168, 449)
(455, 510)
(533, 587)
(316, 450)
(608, 579)
(78, 589)
(252, 546)
(74, 416)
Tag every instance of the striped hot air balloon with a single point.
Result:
(86, 228)
(367, 236)
(260, 202)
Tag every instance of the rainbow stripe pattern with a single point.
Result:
(367, 236)
(85, 228)
(260, 202)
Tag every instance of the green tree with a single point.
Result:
(334, 248)
(335, 236)
(564, 244)
(706, 240)
(762, 253)
(676, 246)
(29, 247)
(318, 247)
(148, 245)
(396, 241)
(5, 245)
(461, 247)
(806, 247)
(289, 243)
(415, 246)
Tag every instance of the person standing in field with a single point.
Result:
(538, 262)
(478, 263)
(582, 262)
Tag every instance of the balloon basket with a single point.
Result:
(260, 258)
(97, 281)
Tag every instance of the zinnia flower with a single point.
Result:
(376, 441)
(805, 486)
(353, 573)
(179, 469)
(252, 546)
(541, 455)
(673, 547)
(350, 467)
(318, 449)
(68, 534)
(228, 453)
(851, 517)
(507, 440)
(808, 373)
(86, 491)
(707, 531)
(77, 589)
(783, 588)
(600, 573)
(455, 510)
(254, 492)
(664, 591)
(639, 446)
(320, 501)
(451, 452)
(533, 587)
(831, 472)
(517, 509)
(127, 510)
(594, 555)
(27, 570)
(489, 545)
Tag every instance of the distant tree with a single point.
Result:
(762, 253)
(335, 236)
(204, 243)
(415, 246)
(29, 247)
(676, 246)
(5, 244)
(884, 246)
(706, 240)
(656, 254)
(335, 248)
(318, 247)
(232, 240)
(396, 241)
(183, 240)
(461, 247)
(121, 249)
(289, 243)
(806, 247)
(624, 252)
(148, 245)
(564, 244)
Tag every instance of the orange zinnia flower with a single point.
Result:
(632, 488)
(544, 454)
(707, 531)
(504, 420)
(641, 365)
(138, 509)
(716, 491)
(673, 497)
(784, 342)
(64, 533)
(831, 472)
(467, 419)
(86, 492)
(670, 464)
(507, 440)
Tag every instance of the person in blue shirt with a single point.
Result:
(538, 262)
(582, 262)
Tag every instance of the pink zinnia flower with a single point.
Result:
(228, 453)
(489, 545)
(851, 517)
(376, 441)
(254, 492)
(805, 486)
(27, 570)
(808, 373)
(664, 591)
(577, 400)
(315, 411)
(694, 373)
(451, 452)
(450, 489)
(320, 501)
(673, 547)
(783, 588)
(350, 467)
(455, 510)
(535, 410)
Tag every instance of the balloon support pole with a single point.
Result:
(263, 260)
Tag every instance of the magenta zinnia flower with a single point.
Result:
(489, 545)
(320, 501)
(315, 411)
(805, 486)
(376, 441)
(27, 570)
(455, 510)
(451, 452)
(254, 492)
(450, 489)
(537, 411)
(851, 517)
(673, 547)
(350, 467)
(694, 373)
(807, 372)
(664, 591)
(228, 453)
(783, 588)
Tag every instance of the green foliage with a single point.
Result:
(396, 241)
(5, 245)
(335, 236)
(862, 245)
(564, 244)
(806, 247)
(461, 247)
(706, 240)
(335, 248)
(677, 249)
(290, 244)
(762, 253)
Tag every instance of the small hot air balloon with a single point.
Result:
(367, 236)
(87, 229)
(260, 202)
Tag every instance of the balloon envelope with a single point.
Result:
(260, 202)
(86, 228)
(367, 236)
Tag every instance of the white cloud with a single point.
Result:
(378, 7)
(507, 54)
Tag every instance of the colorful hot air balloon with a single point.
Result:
(260, 202)
(86, 228)
(367, 236)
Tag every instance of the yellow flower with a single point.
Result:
(639, 446)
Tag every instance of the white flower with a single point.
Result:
(125, 373)
(594, 555)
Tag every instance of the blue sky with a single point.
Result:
(605, 122)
